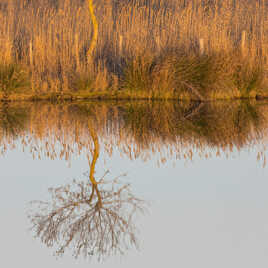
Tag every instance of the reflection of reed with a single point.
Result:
(223, 125)
(12, 119)
(138, 129)
(13, 124)
(91, 218)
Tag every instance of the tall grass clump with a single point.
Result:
(248, 78)
(13, 78)
(195, 74)
(137, 77)
(177, 74)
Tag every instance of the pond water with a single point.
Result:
(128, 184)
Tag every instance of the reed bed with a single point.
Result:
(194, 49)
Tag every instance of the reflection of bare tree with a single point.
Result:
(93, 218)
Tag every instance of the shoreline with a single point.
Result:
(115, 96)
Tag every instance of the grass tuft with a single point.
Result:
(13, 78)
(248, 78)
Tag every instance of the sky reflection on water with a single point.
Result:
(205, 212)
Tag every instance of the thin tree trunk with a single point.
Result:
(95, 31)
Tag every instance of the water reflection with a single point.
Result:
(95, 217)
(136, 129)
(13, 120)
(90, 217)
(220, 125)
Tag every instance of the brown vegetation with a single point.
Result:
(137, 129)
(145, 48)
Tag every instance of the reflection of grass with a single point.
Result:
(144, 121)
(216, 125)
(246, 118)
(13, 119)
(138, 128)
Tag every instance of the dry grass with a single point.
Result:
(50, 39)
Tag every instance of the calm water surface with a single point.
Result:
(131, 184)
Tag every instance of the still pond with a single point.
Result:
(134, 184)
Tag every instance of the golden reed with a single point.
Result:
(51, 38)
